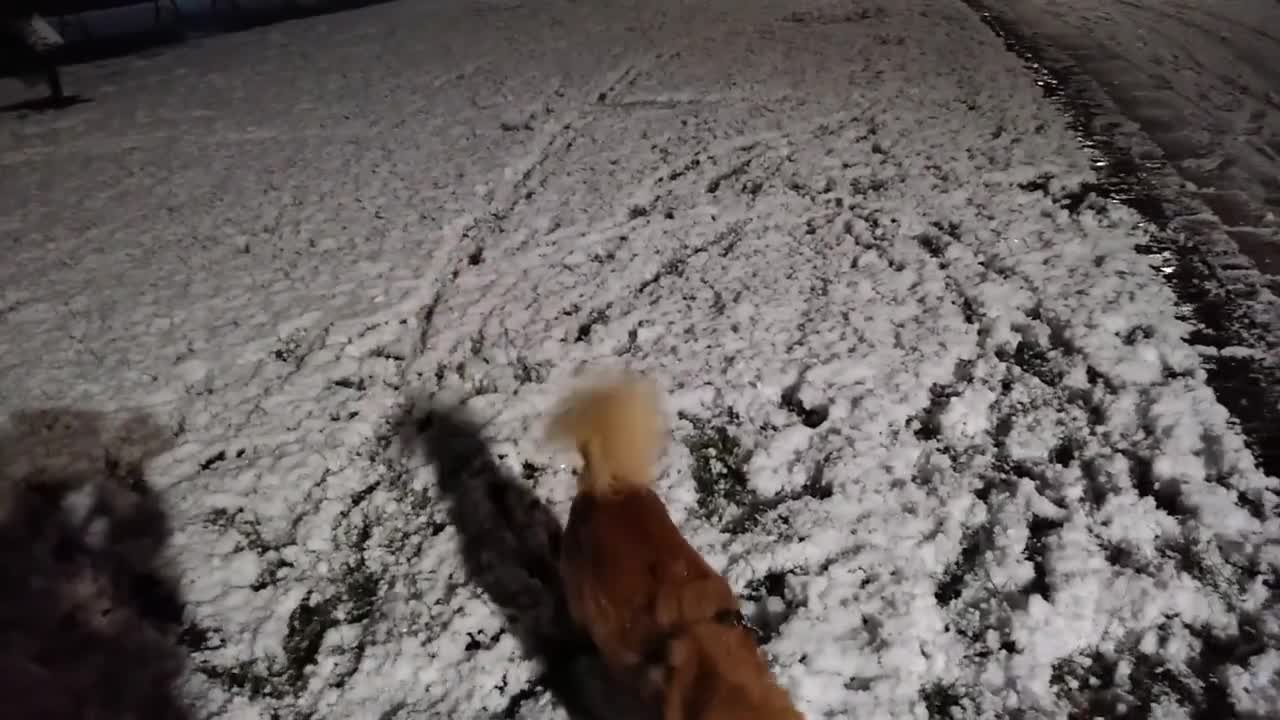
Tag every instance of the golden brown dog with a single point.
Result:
(652, 605)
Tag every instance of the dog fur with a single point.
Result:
(653, 606)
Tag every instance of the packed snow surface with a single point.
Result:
(933, 413)
(1196, 79)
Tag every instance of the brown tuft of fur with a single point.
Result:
(616, 425)
(656, 610)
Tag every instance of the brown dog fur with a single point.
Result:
(652, 605)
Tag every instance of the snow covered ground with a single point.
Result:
(934, 412)
(1199, 81)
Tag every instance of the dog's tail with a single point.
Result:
(616, 424)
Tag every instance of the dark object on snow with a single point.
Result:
(30, 43)
(89, 610)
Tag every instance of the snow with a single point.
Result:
(948, 435)
(1191, 85)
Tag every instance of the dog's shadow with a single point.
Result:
(43, 104)
(510, 544)
(89, 606)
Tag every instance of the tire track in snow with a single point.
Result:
(557, 137)
(702, 174)
(1185, 10)
(712, 170)
(477, 235)
(1189, 45)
